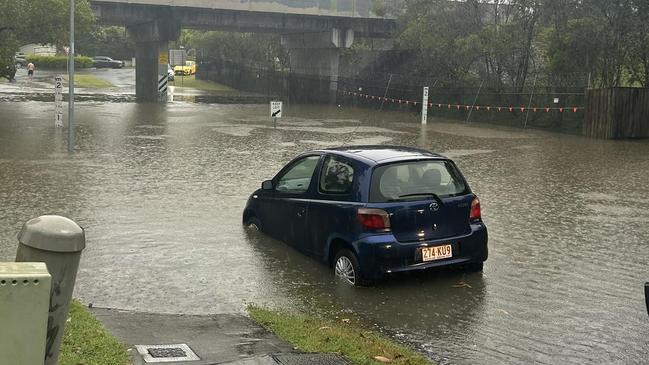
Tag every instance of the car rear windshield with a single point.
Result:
(416, 180)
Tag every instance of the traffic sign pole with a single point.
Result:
(275, 111)
(71, 82)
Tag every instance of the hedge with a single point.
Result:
(58, 62)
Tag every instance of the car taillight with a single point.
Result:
(475, 210)
(374, 219)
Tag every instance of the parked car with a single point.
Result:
(170, 73)
(102, 61)
(20, 60)
(370, 211)
(188, 69)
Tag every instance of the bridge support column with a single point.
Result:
(317, 56)
(151, 53)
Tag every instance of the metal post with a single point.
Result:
(529, 105)
(474, 101)
(58, 242)
(71, 82)
(646, 296)
(386, 92)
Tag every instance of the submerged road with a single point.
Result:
(160, 190)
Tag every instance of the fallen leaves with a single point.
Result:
(382, 359)
(462, 284)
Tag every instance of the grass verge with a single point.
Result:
(314, 334)
(86, 341)
(193, 83)
(90, 81)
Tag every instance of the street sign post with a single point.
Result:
(275, 111)
(424, 107)
(58, 101)
(177, 57)
(71, 82)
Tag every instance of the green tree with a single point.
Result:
(37, 21)
(106, 41)
(240, 47)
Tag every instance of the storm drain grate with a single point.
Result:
(166, 353)
(311, 359)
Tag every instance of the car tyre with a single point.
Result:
(254, 224)
(347, 268)
(474, 267)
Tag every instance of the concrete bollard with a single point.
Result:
(58, 242)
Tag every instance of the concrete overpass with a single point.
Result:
(314, 31)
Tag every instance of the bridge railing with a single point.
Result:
(346, 8)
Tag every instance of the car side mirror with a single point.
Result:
(267, 185)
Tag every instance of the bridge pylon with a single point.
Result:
(151, 55)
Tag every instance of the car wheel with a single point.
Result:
(254, 224)
(474, 267)
(347, 269)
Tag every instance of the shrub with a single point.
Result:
(59, 62)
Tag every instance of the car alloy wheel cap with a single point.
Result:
(345, 270)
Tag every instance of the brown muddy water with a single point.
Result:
(160, 191)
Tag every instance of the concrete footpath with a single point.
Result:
(202, 340)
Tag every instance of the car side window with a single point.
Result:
(337, 176)
(298, 178)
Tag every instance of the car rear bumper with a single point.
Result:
(383, 254)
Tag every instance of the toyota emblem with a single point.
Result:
(434, 207)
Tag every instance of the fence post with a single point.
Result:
(474, 101)
(529, 105)
(386, 92)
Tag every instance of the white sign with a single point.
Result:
(424, 107)
(556, 100)
(275, 109)
(58, 101)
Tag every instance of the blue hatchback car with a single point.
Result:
(369, 211)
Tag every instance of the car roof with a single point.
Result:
(380, 154)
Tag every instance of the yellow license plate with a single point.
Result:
(436, 253)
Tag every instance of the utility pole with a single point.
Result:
(71, 82)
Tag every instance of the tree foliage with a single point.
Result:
(38, 21)
(240, 47)
(111, 41)
(506, 41)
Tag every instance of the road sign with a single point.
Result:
(163, 81)
(424, 107)
(163, 58)
(177, 57)
(58, 101)
(275, 109)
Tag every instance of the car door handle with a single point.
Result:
(300, 212)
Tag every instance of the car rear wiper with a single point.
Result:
(420, 194)
(401, 197)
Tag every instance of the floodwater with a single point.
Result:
(160, 191)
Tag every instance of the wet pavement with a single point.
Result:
(215, 339)
(160, 191)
